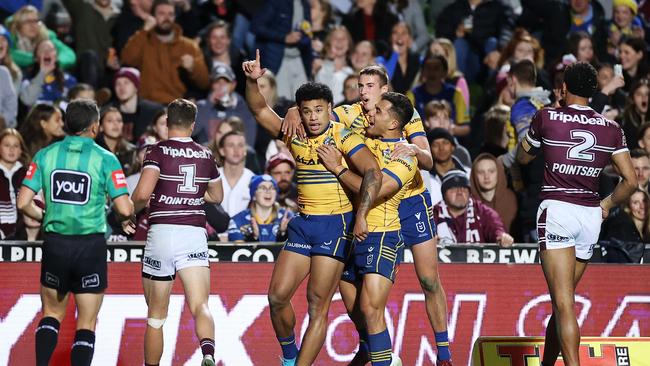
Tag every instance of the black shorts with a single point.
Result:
(74, 263)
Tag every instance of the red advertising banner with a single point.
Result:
(483, 300)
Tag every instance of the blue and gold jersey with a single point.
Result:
(353, 117)
(384, 215)
(319, 192)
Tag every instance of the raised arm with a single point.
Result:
(256, 102)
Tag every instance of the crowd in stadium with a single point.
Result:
(476, 71)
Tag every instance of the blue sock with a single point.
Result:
(289, 349)
(380, 348)
(442, 342)
(363, 341)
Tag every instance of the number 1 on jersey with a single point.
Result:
(189, 173)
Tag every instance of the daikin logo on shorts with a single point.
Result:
(69, 186)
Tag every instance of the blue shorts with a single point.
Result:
(380, 253)
(416, 219)
(328, 235)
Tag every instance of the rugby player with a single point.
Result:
(369, 276)
(75, 175)
(415, 211)
(577, 143)
(319, 237)
(178, 177)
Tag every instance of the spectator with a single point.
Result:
(137, 112)
(265, 145)
(157, 129)
(497, 135)
(321, 23)
(444, 47)
(235, 177)
(626, 231)
(242, 36)
(437, 114)
(27, 228)
(523, 46)
(212, 11)
(610, 98)
(27, 32)
(43, 125)
(170, 63)
(363, 55)
(281, 29)
(233, 123)
(8, 98)
(460, 218)
(264, 220)
(370, 20)
(335, 68)
(93, 22)
(479, 30)
(403, 64)
(7, 61)
(443, 145)
(624, 23)
(282, 168)
(132, 17)
(635, 113)
(434, 87)
(350, 90)
(80, 91)
(133, 175)
(632, 53)
(489, 184)
(46, 81)
(7, 8)
(644, 137)
(219, 49)
(222, 102)
(581, 46)
(410, 11)
(110, 137)
(13, 163)
(641, 163)
(529, 99)
(556, 19)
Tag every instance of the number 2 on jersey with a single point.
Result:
(189, 173)
(578, 150)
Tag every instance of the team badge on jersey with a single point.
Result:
(69, 186)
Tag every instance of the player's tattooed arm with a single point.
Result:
(525, 152)
(366, 164)
(256, 102)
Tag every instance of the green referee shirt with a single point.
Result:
(75, 175)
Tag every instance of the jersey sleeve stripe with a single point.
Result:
(393, 175)
(151, 167)
(532, 141)
(416, 134)
(355, 149)
(625, 149)
(336, 116)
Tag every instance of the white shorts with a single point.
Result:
(563, 225)
(171, 248)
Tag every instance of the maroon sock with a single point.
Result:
(207, 346)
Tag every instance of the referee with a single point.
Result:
(76, 176)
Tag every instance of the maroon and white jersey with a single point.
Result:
(577, 144)
(185, 168)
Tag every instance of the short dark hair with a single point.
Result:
(80, 114)
(639, 153)
(312, 91)
(581, 79)
(401, 108)
(181, 113)
(376, 70)
(157, 3)
(77, 89)
(525, 72)
(231, 133)
(439, 58)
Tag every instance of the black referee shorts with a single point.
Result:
(74, 263)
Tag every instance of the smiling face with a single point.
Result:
(400, 38)
(339, 43)
(623, 16)
(315, 115)
(629, 57)
(53, 126)
(637, 205)
(219, 41)
(265, 194)
(362, 55)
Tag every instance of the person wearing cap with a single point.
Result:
(264, 219)
(625, 22)
(443, 145)
(463, 219)
(222, 102)
(282, 168)
(137, 112)
(165, 57)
